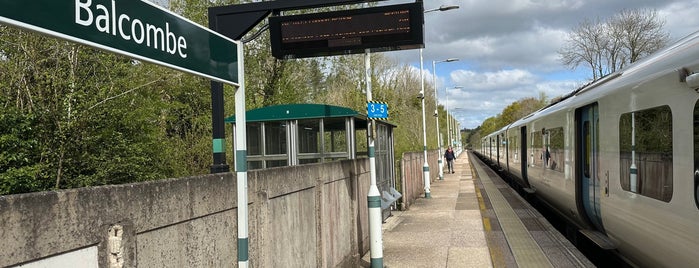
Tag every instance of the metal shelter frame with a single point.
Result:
(297, 134)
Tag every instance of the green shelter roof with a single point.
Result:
(296, 111)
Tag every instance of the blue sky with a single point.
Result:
(508, 48)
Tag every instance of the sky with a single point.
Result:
(507, 49)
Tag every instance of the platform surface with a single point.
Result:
(474, 220)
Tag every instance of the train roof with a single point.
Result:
(670, 58)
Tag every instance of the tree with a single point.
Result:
(74, 116)
(19, 162)
(89, 117)
(509, 115)
(585, 44)
(608, 46)
(641, 32)
(474, 137)
(396, 85)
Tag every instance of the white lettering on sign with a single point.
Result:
(107, 21)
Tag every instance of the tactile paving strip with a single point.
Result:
(526, 251)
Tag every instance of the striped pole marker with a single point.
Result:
(241, 166)
(374, 196)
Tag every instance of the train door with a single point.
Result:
(506, 147)
(587, 148)
(523, 154)
(497, 149)
(696, 154)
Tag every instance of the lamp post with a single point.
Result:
(449, 127)
(436, 113)
(442, 8)
(426, 166)
(457, 132)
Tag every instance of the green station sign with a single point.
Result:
(134, 28)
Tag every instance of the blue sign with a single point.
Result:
(377, 110)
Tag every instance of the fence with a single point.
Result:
(412, 183)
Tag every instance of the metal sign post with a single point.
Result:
(374, 196)
(235, 21)
(241, 166)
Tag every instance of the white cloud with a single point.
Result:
(486, 94)
(492, 81)
(681, 18)
(508, 48)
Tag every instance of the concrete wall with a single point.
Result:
(301, 216)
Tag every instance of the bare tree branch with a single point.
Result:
(608, 46)
(122, 94)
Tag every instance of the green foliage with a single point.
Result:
(19, 165)
(90, 118)
(509, 115)
(474, 138)
(397, 86)
(73, 116)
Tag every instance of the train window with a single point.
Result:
(536, 153)
(696, 155)
(645, 151)
(512, 149)
(587, 149)
(554, 142)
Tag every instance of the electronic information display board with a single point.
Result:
(385, 28)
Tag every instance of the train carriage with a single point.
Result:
(619, 158)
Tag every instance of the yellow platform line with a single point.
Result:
(526, 251)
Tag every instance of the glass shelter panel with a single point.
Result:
(254, 138)
(335, 134)
(361, 145)
(309, 161)
(276, 163)
(382, 157)
(254, 165)
(275, 138)
(308, 134)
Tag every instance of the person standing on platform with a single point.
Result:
(450, 157)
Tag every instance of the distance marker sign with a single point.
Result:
(377, 110)
(133, 28)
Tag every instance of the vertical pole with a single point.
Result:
(219, 132)
(453, 126)
(436, 119)
(217, 124)
(446, 91)
(374, 196)
(241, 167)
(425, 166)
(459, 143)
(633, 180)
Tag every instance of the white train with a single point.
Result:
(619, 158)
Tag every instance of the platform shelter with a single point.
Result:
(297, 134)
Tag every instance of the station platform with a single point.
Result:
(473, 219)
